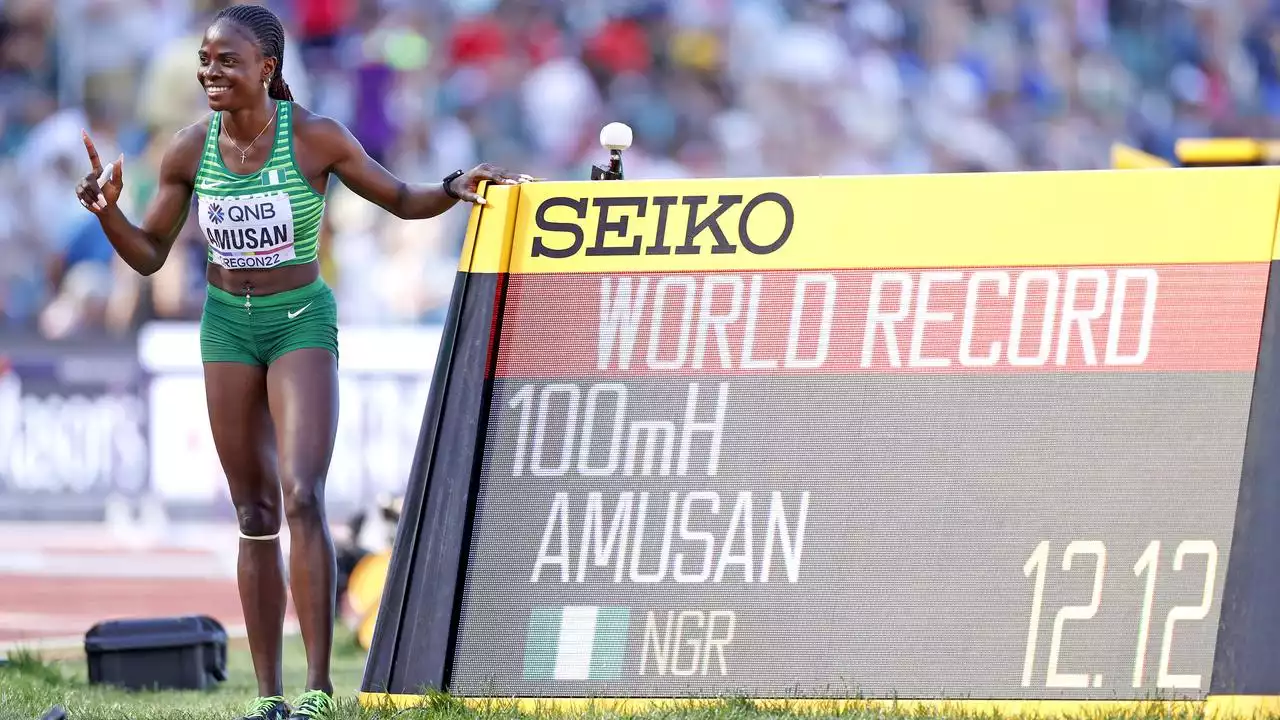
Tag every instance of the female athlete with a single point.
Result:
(259, 165)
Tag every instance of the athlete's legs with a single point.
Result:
(302, 387)
(242, 434)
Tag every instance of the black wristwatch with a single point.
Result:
(448, 182)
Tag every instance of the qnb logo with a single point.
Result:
(215, 213)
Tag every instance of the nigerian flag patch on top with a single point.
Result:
(576, 642)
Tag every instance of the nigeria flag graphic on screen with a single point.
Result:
(576, 642)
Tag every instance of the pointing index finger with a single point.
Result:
(93, 152)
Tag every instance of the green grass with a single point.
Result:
(30, 685)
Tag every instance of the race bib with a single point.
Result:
(248, 233)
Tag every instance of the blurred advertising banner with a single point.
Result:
(97, 424)
(384, 376)
(73, 427)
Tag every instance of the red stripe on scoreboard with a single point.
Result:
(1161, 318)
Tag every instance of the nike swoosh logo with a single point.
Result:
(298, 312)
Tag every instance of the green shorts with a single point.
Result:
(272, 325)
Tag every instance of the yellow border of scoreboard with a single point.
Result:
(1220, 706)
(1170, 216)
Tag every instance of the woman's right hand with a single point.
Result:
(100, 190)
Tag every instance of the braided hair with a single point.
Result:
(269, 34)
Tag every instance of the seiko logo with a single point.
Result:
(703, 220)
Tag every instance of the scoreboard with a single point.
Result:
(1003, 437)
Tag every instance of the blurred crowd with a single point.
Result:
(711, 88)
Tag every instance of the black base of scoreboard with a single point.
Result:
(417, 619)
(1247, 658)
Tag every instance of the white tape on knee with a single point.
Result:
(260, 537)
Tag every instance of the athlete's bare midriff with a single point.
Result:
(263, 282)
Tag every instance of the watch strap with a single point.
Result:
(448, 184)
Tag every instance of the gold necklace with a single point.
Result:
(244, 152)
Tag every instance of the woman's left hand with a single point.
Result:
(467, 185)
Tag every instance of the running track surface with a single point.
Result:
(58, 580)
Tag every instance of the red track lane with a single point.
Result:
(57, 580)
(34, 607)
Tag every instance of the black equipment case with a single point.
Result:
(179, 653)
